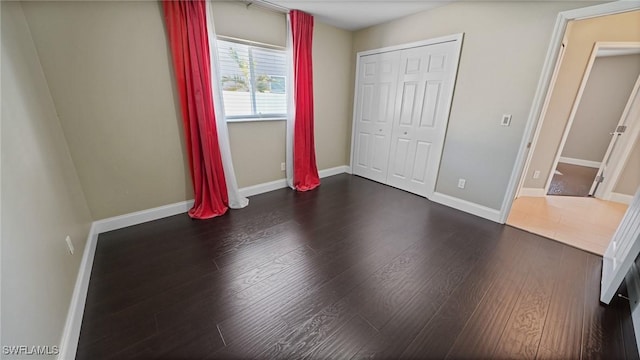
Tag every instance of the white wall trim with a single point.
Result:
(544, 83)
(334, 171)
(466, 206)
(438, 40)
(282, 183)
(71, 331)
(580, 162)
(532, 192)
(620, 198)
(263, 188)
(139, 217)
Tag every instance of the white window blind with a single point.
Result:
(253, 81)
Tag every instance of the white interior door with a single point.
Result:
(377, 82)
(427, 75)
(622, 141)
(622, 251)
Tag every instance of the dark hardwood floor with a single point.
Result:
(353, 270)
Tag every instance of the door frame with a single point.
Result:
(545, 107)
(544, 86)
(613, 48)
(456, 38)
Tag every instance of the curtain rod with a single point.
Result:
(267, 5)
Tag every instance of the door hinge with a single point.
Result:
(529, 145)
(599, 178)
(621, 129)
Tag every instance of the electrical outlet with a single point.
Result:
(69, 244)
(506, 120)
(462, 183)
(283, 166)
(536, 174)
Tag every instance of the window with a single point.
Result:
(253, 81)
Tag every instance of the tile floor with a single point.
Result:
(585, 223)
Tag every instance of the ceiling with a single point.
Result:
(356, 14)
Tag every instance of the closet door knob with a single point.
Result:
(405, 133)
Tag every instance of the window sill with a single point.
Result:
(256, 119)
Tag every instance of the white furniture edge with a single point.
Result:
(73, 323)
(579, 162)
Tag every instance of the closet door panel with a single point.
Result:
(420, 122)
(375, 104)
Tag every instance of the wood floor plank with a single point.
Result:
(395, 284)
(562, 333)
(112, 342)
(301, 341)
(482, 332)
(408, 320)
(251, 332)
(438, 336)
(351, 270)
(291, 280)
(602, 336)
(175, 340)
(522, 333)
(319, 325)
(345, 342)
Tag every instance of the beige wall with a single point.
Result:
(502, 55)
(110, 75)
(107, 66)
(42, 200)
(332, 94)
(604, 98)
(581, 36)
(629, 180)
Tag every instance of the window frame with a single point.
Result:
(251, 118)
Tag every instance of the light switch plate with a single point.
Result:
(506, 120)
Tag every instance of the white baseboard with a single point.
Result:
(531, 192)
(334, 171)
(71, 331)
(139, 217)
(466, 206)
(263, 188)
(620, 198)
(580, 162)
(282, 183)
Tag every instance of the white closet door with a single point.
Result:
(377, 82)
(427, 74)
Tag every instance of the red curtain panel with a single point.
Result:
(305, 170)
(186, 25)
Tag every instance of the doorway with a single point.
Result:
(596, 122)
(573, 203)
